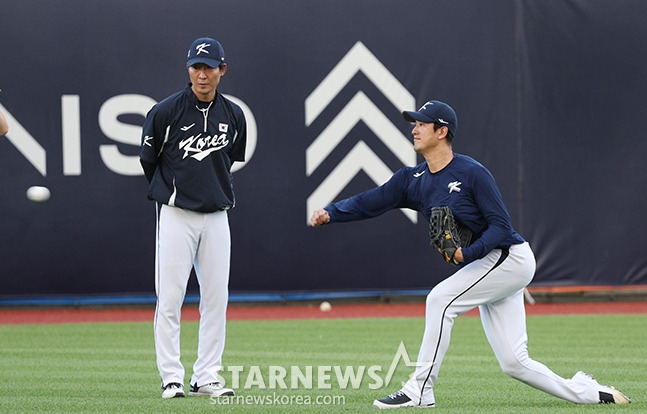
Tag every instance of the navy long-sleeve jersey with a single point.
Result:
(464, 185)
(188, 148)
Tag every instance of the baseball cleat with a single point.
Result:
(172, 390)
(397, 400)
(214, 389)
(608, 395)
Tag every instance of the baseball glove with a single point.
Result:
(447, 234)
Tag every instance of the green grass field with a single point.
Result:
(110, 367)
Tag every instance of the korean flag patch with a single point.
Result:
(223, 127)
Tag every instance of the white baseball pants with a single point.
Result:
(495, 284)
(187, 239)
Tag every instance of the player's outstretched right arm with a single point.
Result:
(4, 127)
(319, 217)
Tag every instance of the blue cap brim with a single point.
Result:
(413, 116)
(209, 62)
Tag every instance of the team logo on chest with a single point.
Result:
(454, 186)
(199, 147)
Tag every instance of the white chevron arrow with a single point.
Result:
(360, 158)
(359, 58)
(360, 108)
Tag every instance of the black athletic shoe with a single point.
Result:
(215, 389)
(397, 400)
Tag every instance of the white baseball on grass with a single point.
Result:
(325, 306)
(38, 193)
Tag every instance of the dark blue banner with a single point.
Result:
(548, 96)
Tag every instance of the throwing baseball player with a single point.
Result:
(453, 192)
(189, 143)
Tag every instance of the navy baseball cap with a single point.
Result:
(206, 50)
(436, 112)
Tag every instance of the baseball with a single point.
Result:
(325, 307)
(38, 193)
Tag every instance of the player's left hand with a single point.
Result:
(447, 235)
(458, 255)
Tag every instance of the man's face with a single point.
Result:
(205, 80)
(425, 138)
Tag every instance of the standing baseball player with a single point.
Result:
(189, 143)
(493, 270)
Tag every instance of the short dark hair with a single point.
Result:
(450, 137)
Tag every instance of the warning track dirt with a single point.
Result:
(291, 311)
